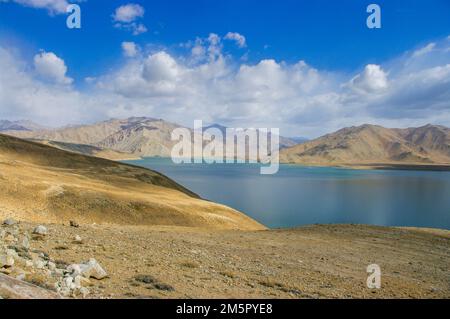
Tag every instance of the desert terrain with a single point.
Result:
(48, 185)
(309, 262)
(77, 226)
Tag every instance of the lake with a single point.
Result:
(300, 195)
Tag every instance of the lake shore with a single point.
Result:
(322, 261)
(379, 166)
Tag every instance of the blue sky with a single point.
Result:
(329, 37)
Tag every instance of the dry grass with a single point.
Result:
(47, 185)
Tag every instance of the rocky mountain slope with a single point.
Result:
(371, 144)
(44, 184)
(19, 126)
(136, 136)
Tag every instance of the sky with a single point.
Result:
(306, 67)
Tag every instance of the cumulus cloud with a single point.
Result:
(372, 79)
(238, 38)
(126, 16)
(128, 13)
(51, 67)
(130, 49)
(208, 84)
(24, 95)
(52, 6)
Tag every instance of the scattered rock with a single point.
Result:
(40, 230)
(6, 261)
(25, 243)
(39, 264)
(77, 240)
(10, 222)
(74, 224)
(90, 269)
(153, 282)
(9, 238)
(165, 287)
(146, 279)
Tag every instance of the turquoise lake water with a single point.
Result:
(309, 195)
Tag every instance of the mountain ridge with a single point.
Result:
(137, 136)
(374, 144)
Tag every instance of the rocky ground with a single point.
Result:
(101, 261)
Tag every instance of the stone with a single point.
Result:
(39, 264)
(25, 242)
(90, 269)
(84, 292)
(74, 224)
(6, 261)
(10, 238)
(51, 266)
(40, 230)
(81, 281)
(77, 239)
(146, 279)
(5, 271)
(10, 222)
(94, 270)
(21, 276)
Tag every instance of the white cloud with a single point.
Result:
(130, 49)
(425, 50)
(51, 67)
(126, 17)
(128, 13)
(22, 95)
(208, 84)
(53, 6)
(372, 79)
(238, 38)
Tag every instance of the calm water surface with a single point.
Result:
(305, 195)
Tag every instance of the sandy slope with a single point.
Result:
(44, 184)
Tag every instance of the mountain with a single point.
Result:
(284, 142)
(133, 137)
(136, 136)
(372, 144)
(142, 137)
(44, 184)
(299, 139)
(19, 126)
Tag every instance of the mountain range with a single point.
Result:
(19, 126)
(130, 138)
(136, 137)
(373, 145)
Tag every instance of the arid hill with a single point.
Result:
(374, 145)
(44, 184)
(136, 136)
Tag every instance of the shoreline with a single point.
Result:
(379, 166)
(356, 166)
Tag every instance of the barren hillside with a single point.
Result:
(371, 144)
(44, 184)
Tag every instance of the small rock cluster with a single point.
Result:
(19, 260)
